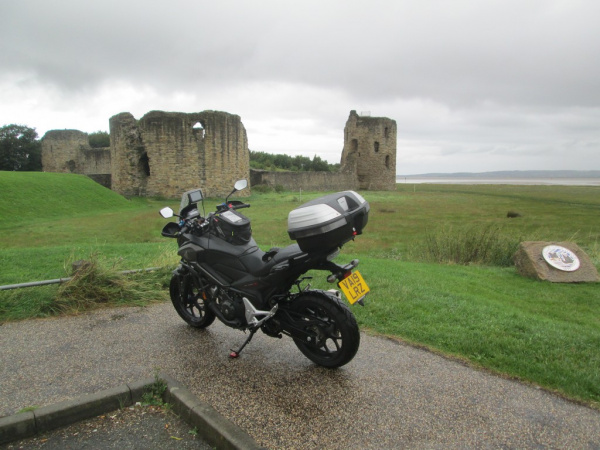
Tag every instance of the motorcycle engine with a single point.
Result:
(231, 308)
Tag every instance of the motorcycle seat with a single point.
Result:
(270, 254)
(287, 253)
(276, 256)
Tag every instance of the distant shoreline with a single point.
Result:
(562, 181)
(523, 177)
(520, 174)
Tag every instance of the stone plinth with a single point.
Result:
(531, 263)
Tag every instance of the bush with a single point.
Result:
(99, 139)
(475, 244)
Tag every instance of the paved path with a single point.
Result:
(390, 396)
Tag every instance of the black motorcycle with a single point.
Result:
(224, 274)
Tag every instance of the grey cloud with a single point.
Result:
(472, 77)
(536, 52)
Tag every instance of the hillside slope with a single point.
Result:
(30, 195)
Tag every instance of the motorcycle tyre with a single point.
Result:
(203, 318)
(333, 310)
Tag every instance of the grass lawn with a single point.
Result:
(487, 314)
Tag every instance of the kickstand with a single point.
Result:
(236, 353)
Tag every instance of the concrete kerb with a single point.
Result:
(213, 427)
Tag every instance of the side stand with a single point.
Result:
(251, 317)
(236, 353)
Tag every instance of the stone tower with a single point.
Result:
(370, 151)
(61, 150)
(69, 151)
(167, 153)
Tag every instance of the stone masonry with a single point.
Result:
(307, 181)
(69, 151)
(370, 151)
(368, 161)
(167, 153)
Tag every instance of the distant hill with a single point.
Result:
(29, 196)
(514, 174)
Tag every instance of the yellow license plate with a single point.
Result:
(354, 287)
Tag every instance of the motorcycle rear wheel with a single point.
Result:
(333, 332)
(189, 302)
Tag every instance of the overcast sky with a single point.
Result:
(473, 85)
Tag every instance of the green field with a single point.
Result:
(479, 310)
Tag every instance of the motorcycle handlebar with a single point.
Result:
(231, 205)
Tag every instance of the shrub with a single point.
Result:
(99, 139)
(474, 244)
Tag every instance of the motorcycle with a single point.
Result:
(223, 273)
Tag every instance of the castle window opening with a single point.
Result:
(198, 130)
(376, 146)
(386, 132)
(145, 164)
(387, 161)
(354, 145)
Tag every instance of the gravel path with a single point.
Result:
(391, 395)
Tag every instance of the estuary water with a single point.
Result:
(492, 180)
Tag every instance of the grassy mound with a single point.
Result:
(30, 195)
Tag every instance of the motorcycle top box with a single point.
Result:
(328, 222)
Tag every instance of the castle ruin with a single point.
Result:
(166, 153)
(370, 151)
(368, 161)
(69, 151)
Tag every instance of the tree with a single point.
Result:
(99, 139)
(267, 161)
(302, 163)
(319, 165)
(19, 148)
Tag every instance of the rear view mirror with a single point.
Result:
(166, 212)
(240, 184)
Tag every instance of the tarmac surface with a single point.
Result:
(390, 396)
(132, 428)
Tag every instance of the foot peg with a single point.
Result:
(252, 313)
(253, 323)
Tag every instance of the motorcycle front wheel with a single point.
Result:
(333, 336)
(189, 302)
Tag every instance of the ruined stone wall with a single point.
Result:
(69, 151)
(368, 161)
(95, 161)
(370, 151)
(307, 181)
(61, 150)
(165, 153)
